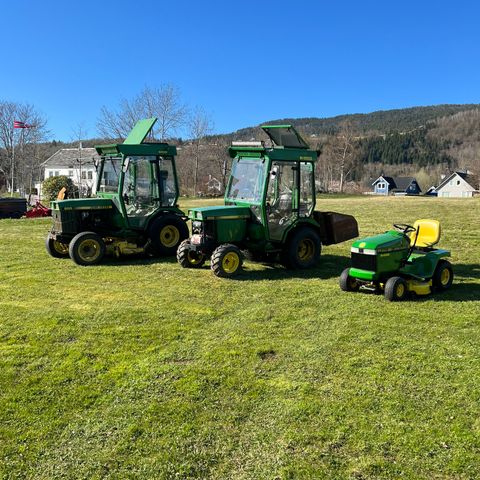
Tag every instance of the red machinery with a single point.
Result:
(39, 210)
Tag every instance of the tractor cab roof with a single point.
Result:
(133, 144)
(288, 145)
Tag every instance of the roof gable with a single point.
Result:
(469, 180)
(71, 158)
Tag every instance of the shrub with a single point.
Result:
(52, 185)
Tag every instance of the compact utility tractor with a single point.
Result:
(268, 211)
(134, 209)
(399, 261)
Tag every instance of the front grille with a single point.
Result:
(364, 262)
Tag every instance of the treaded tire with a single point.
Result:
(226, 261)
(166, 233)
(348, 283)
(442, 280)
(395, 289)
(87, 248)
(55, 249)
(303, 249)
(188, 258)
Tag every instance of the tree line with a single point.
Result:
(354, 149)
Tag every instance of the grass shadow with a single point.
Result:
(329, 266)
(140, 259)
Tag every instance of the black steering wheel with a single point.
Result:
(404, 228)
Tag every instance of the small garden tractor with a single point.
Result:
(268, 211)
(134, 209)
(399, 261)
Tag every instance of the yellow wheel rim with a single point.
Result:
(306, 250)
(169, 236)
(194, 258)
(400, 290)
(89, 250)
(60, 248)
(445, 277)
(230, 262)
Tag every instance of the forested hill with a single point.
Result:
(382, 121)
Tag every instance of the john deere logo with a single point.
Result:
(362, 245)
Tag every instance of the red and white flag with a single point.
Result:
(17, 124)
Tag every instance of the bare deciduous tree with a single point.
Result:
(200, 125)
(163, 102)
(20, 168)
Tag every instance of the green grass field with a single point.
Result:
(140, 369)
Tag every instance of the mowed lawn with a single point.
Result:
(138, 368)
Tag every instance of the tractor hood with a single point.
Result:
(83, 204)
(227, 212)
(385, 242)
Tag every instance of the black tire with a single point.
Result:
(188, 258)
(303, 249)
(166, 233)
(395, 289)
(443, 276)
(87, 248)
(348, 283)
(56, 249)
(226, 261)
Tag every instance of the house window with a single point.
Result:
(458, 182)
(50, 173)
(57, 173)
(70, 173)
(90, 175)
(84, 175)
(381, 185)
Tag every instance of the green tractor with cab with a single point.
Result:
(269, 210)
(134, 209)
(399, 262)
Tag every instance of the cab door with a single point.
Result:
(282, 198)
(140, 193)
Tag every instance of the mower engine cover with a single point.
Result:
(374, 258)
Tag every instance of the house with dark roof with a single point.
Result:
(384, 185)
(79, 164)
(458, 184)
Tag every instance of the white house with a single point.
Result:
(458, 184)
(79, 164)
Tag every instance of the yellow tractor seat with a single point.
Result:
(427, 233)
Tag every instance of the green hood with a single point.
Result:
(384, 241)
(83, 204)
(222, 212)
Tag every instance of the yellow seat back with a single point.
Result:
(427, 233)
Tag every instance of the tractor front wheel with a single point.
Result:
(348, 283)
(87, 248)
(188, 258)
(443, 276)
(395, 289)
(166, 233)
(226, 261)
(303, 250)
(56, 249)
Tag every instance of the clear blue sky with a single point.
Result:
(245, 62)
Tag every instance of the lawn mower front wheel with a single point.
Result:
(348, 283)
(395, 289)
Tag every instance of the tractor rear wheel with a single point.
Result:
(56, 249)
(303, 250)
(226, 261)
(166, 233)
(189, 258)
(443, 276)
(395, 289)
(87, 248)
(348, 283)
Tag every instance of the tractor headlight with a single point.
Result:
(197, 227)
